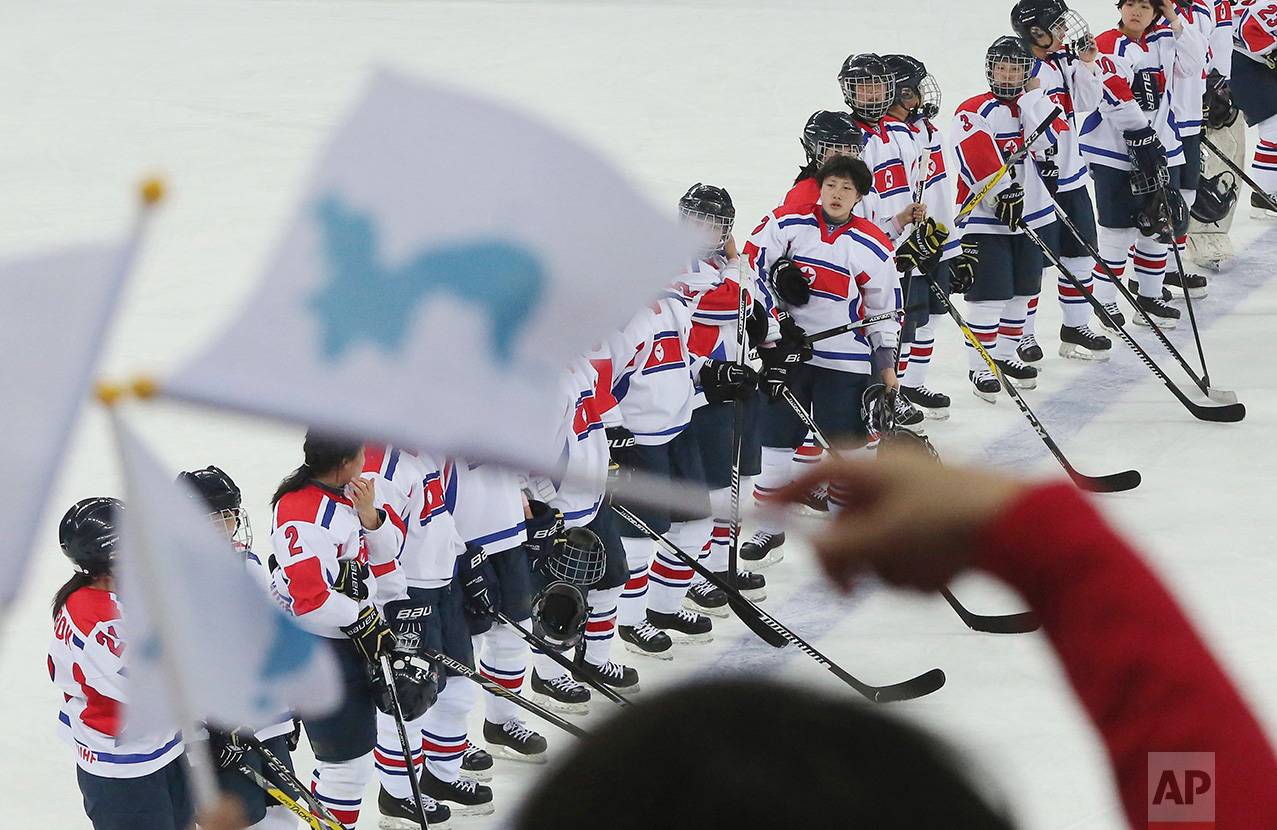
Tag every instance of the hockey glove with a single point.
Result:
(1146, 89)
(775, 375)
(416, 685)
(921, 249)
(756, 325)
(724, 381)
(790, 283)
(352, 579)
(794, 338)
(480, 592)
(1218, 111)
(227, 751)
(294, 737)
(369, 634)
(1146, 152)
(545, 532)
(1010, 206)
(620, 446)
(1050, 172)
(962, 269)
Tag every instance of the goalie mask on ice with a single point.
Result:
(559, 615)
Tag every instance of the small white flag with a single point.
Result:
(54, 311)
(205, 642)
(449, 257)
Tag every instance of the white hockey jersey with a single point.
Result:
(86, 663)
(431, 541)
(487, 505)
(891, 151)
(937, 194)
(852, 274)
(578, 490)
(1221, 40)
(1255, 28)
(1187, 92)
(986, 131)
(1169, 57)
(1074, 88)
(315, 528)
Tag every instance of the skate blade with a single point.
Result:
(507, 754)
(1261, 215)
(1161, 324)
(681, 639)
(1193, 294)
(655, 655)
(753, 594)
(557, 705)
(938, 414)
(773, 556)
(464, 810)
(1023, 383)
(1073, 351)
(394, 823)
(720, 611)
(990, 397)
(483, 776)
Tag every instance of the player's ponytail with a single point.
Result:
(322, 454)
(77, 581)
(807, 172)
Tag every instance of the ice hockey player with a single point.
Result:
(1254, 88)
(327, 532)
(134, 782)
(219, 493)
(824, 267)
(1131, 145)
(826, 134)
(1065, 55)
(1008, 266)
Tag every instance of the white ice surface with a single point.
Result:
(232, 100)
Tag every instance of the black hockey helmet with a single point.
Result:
(1038, 20)
(1216, 196)
(911, 74)
(88, 534)
(831, 133)
(219, 492)
(559, 615)
(708, 207)
(868, 86)
(1009, 52)
(878, 409)
(416, 685)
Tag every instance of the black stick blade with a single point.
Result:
(1227, 414)
(756, 622)
(923, 684)
(1115, 483)
(1021, 623)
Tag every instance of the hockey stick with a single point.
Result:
(388, 677)
(860, 324)
(501, 691)
(752, 615)
(738, 437)
(1218, 395)
(276, 793)
(573, 669)
(1228, 413)
(1020, 623)
(1113, 483)
(975, 198)
(1179, 264)
(1241, 174)
(281, 771)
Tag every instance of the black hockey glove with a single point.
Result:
(227, 751)
(369, 634)
(545, 531)
(922, 247)
(756, 325)
(724, 381)
(794, 337)
(1218, 111)
(1146, 89)
(1146, 151)
(962, 269)
(1050, 172)
(352, 579)
(416, 685)
(620, 446)
(790, 283)
(776, 363)
(294, 737)
(481, 594)
(1010, 206)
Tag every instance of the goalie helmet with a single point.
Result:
(867, 86)
(88, 534)
(559, 615)
(1007, 65)
(224, 501)
(709, 211)
(829, 133)
(1216, 196)
(911, 75)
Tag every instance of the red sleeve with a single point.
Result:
(1255, 35)
(1143, 674)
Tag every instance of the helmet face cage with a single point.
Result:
(233, 523)
(579, 560)
(929, 94)
(1007, 74)
(869, 96)
(827, 149)
(712, 228)
(1074, 31)
(559, 615)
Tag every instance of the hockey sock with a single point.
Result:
(1264, 169)
(546, 668)
(1115, 247)
(720, 504)
(1150, 266)
(777, 468)
(1075, 309)
(391, 770)
(670, 577)
(601, 626)
(924, 342)
(983, 317)
(902, 365)
(631, 610)
(1011, 327)
(504, 661)
(339, 786)
(1031, 316)
(443, 727)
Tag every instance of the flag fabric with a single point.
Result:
(204, 641)
(448, 258)
(54, 311)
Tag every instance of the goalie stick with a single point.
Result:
(573, 669)
(1012, 160)
(759, 621)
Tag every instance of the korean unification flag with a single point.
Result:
(54, 311)
(204, 641)
(448, 258)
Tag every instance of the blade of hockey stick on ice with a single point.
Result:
(1021, 623)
